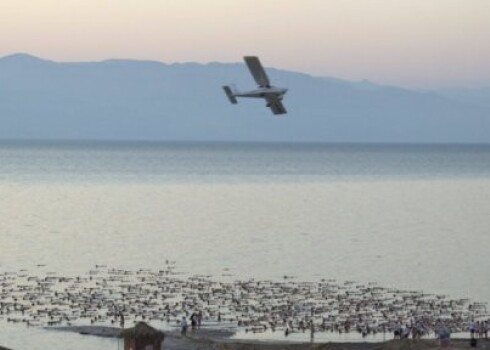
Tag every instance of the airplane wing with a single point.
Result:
(275, 104)
(257, 70)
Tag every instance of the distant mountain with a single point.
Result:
(477, 97)
(145, 100)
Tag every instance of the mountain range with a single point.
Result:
(147, 100)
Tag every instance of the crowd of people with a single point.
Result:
(167, 299)
(196, 321)
(479, 329)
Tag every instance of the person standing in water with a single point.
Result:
(199, 319)
(183, 325)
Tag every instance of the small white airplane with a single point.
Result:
(273, 95)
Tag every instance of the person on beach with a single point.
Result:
(183, 325)
(444, 337)
(121, 323)
(472, 328)
(478, 329)
(302, 325)
(406, 332)
(397, 331)
(415, 331)
(481, 329)
(438, 328)
(193, 321)
(199, 319)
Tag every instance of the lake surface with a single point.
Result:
(407, 216)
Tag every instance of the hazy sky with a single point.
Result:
(414, 43)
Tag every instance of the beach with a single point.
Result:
(205, 339)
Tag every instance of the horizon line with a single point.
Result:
(137, 60)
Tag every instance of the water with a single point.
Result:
(402, 215)
(234, 162)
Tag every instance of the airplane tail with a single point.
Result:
(230, 94)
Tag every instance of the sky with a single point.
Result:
(411, 43)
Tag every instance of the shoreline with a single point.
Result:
(114, 332)
(219, 339)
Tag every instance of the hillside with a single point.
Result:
(144, 100)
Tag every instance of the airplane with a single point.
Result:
(273, 95)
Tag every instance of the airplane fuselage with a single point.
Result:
(262, 92)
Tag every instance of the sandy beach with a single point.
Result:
(389, 345)
(211, 339)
